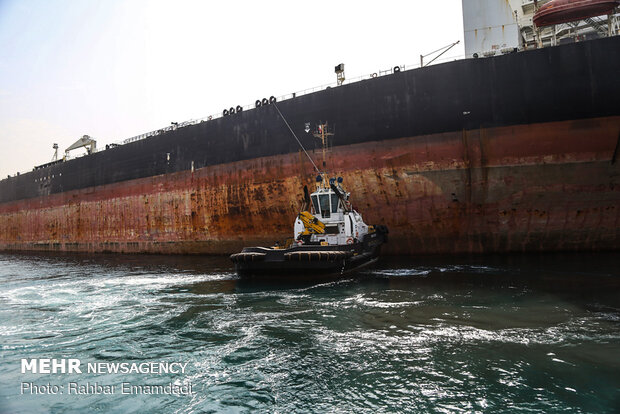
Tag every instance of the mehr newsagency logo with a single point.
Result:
(75, 366)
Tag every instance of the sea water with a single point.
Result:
(528, 333)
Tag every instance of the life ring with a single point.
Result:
(231, 110)
(225, 112)
(396, 69)
(265, 101)
(257, 104)
(350, 240)
(299, 242)
(210, 117)
(239, 108)
(272, 99)
(374, 75)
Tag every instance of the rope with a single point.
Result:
(298, 141)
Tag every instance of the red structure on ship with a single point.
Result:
(564, 11)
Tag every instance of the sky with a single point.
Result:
(113, 69)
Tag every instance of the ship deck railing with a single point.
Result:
(284, 97)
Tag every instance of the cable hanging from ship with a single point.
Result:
(298, 141)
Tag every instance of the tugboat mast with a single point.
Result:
(322, 134)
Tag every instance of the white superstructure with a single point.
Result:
(490, 28)
(343, 225)
(494, 27)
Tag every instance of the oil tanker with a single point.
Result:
(514, 148)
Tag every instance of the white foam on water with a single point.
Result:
(402, 272)
(375, 303)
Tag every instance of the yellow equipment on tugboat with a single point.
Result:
(311, 224)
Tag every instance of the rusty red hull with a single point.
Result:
(541, 187)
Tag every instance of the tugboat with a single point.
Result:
(330, 237)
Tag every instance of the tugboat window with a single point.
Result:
(324, 199)
(315, 203)
(332, 230)
(334, 203)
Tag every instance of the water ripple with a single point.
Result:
(440, 337)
